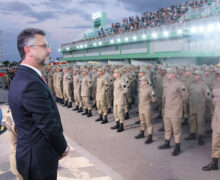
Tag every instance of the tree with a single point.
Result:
(6, 63)
(14, 63)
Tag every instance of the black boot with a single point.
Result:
(149, 139)
(121, 127)
(76, 108)
(209, 131)
(140, 135)
(185, 122)
(166, 145)
(57, 99)
(212, 166)
(105, 120)
(129, 106)
(109, 110)
(177, 150)
(80, 110)
(200, 141)
(89, 113)
(160, 116)
(116, 126)
(94, 106)
(192, 136)
(137, 122)
(161, 129)
(62, 101)
(69, 105)
(65, 103)
(86, 112)
(126, 116)
(100, 118)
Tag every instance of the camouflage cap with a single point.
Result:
(171, 70)
(189, 69)
(84, 69)
(199, 67)
(69, 67)
(65, 66)
(100, 69)
(158, 67)
(143, 69)
(60, 67)
(75, 69)
(206, 68)
(163, 68)
(145, 78)
(118, 71)
(198, 72)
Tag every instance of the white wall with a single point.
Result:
(180, 61)
(119, 62)
(167, 45)
(140, 47)
(142, 62)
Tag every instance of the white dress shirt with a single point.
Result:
(35, 69)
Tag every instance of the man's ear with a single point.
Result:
(28, 51)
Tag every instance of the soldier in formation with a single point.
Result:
(183, 94)
(146, 96)
(102, 90)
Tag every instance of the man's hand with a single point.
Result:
(66, 152)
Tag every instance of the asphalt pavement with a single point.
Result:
(99, 153)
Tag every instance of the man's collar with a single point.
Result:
(35, 69)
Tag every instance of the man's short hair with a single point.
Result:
(24, 37)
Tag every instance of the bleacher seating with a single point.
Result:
(163, 16)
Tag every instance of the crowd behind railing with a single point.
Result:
(163, 16)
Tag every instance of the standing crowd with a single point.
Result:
(150, 19)
(184, 96)
(9, 73)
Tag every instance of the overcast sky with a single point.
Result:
(64, 20)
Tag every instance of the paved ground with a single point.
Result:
(3, 96)
(132, 158)
(100, 153)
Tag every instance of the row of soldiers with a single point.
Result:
(183, 96)
(7, 76)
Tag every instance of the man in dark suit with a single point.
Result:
(40, 139)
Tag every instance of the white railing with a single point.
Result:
(147, 31)
(199, 12)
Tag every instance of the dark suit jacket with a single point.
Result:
(40, 139)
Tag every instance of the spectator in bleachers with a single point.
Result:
(163, 16)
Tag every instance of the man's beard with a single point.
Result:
(44, 61)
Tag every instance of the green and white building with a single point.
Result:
(190, 41)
